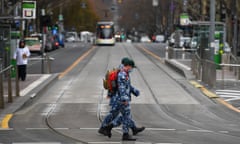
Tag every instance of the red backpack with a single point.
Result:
(110, 81)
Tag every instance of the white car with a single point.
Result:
(72, 37)
(145, 39)
(34, 44)
(160, 38)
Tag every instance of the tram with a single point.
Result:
(105, 33)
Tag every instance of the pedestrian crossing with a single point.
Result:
(229, 95)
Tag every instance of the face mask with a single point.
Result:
(130, 70)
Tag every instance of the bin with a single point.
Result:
(217, 60)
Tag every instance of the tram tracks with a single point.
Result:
(181, 119)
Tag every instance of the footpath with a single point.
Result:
(28, 89)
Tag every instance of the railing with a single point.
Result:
(217, 75)
(46, 63)
(6, 79)
(7, 73)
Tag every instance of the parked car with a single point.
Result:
(185, 42)
(39, 35)
(160, 38)
(51, 43)
(72, 37)
(34, 44)
(171, 40)
(145, 39)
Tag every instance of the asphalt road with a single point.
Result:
(171, 109)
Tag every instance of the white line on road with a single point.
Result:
(160, 129)
(104, 142)
(34, 84)
(189, 130)
(36, 128)
(5, 129)
(224, 131)
(168, 143)
(180, 64)
(37, 143)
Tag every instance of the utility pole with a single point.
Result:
(235, 28)
(155, 4)
(2, 4)
(212, 29)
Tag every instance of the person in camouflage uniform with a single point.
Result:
(120, 103)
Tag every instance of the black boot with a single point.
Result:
(137, 130)
(108, 129)
(127, 137)
(102, 130)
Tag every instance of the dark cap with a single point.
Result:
(130, 62)
(124, 60)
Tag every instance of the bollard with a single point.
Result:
(1, 92)
(17, 83)
(10, 98)
(238, 73)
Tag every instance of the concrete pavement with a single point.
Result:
(35, 83)
(31, 87)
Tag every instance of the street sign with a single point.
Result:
(184, 19)
(29, 9)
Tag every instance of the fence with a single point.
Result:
(6, 73)
(46, 63)
(224, 75)
(6, 80)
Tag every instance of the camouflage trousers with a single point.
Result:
(120, 114)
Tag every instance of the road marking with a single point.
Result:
(180, 64)
(61, 75)
(34, 84)
(152, 54)
(5, 129)
(104, 142)
(37, 143)
(36, 128)
(160, 129)
(5, 121)
(61, 128)
(228, 105)
(89, 128)
(220, 100)
(168, 143)
(224, 132)
(229, 95)
(208, 131)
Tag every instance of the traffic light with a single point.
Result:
(55, 29)
(45, 21)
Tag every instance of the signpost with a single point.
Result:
(29, 9)
(184, 19)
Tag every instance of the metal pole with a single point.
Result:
(212, 29)
(17, 82)
(1, 92)
(2, 3)
(235, 28)
(10, 98)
